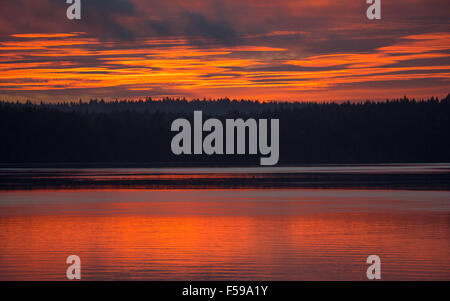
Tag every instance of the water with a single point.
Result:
(223, 234)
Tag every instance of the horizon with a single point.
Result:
(101, 100)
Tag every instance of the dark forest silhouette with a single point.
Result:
(121, 132)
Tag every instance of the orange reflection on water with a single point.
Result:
(230, 235)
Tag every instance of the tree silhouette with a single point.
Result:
(123, 131)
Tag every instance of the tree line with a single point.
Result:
(394, 131)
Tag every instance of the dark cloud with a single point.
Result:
(210, 75)
(294, 68)
(441, 61)
(160, 27)
(200, 29)
(104, 17)
(99, 18)
(330, 26)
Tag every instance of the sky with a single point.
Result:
(286, 50)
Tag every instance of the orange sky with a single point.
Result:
(324, 56)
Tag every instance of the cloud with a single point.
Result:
(267, 49)
(201, 30)
(100, 18)
(104, 16)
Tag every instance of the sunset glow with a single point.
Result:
(346, 57)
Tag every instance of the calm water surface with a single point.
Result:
(222, 234)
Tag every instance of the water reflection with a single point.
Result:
(280, 234)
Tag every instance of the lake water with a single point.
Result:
(293, 233)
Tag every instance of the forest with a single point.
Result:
(138, 132)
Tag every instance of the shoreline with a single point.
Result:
(322, 180)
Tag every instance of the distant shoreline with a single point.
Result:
(113, 165)
(355, 176)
